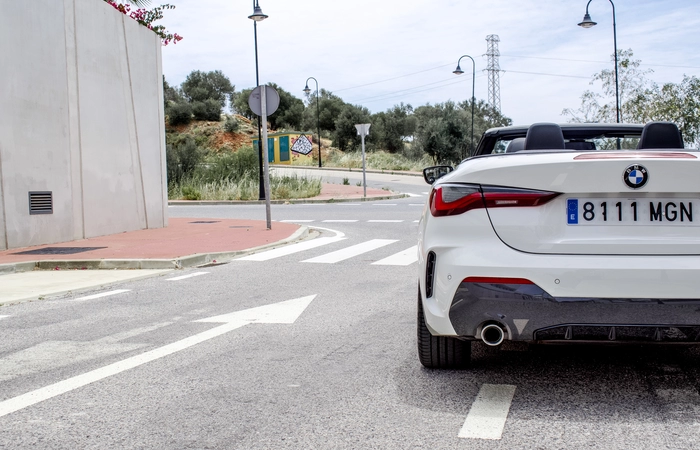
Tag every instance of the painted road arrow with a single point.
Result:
(286, 312)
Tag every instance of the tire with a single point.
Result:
(439, 352)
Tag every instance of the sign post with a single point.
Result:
(263, 101)
(362, 131)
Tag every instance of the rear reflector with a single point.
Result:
(496, 280)
(454, 199)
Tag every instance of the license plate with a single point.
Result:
(631, 211)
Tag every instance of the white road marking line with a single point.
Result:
(283, 312)
(416, 204)
(425, 193)
(31, 398)
(413, 195)
(290, 249)
(340, 221)
(352, 251)
(404, 258)
(189, 275)
(100, 295)
(132, 333)
(487, 417)
(384, 204)
(416, 221)
(385, 221)
(349, 204)
(297, 221)
(4, 317)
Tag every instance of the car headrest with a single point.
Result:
(660, 135)
(516, 145)
(544, 136)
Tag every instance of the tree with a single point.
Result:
(392, 128)
(345, 135)
(642, 100)
(485, 117)
(290, 112)
(171, 94)
(202, 86)
(330, 107)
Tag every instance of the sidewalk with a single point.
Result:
(43, 270)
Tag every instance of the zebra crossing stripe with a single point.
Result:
(352, 251)
(290, 249)
(488, 414)
(404, 258)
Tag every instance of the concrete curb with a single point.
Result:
(297, 201)
(354, 170)
(198, 259)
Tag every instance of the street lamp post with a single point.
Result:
(307, 91)
(459, 71)
(256, 17)
(588, 23)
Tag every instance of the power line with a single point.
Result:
(407, 90)
(373, 99)
(547, 74)
(597, 62)
(391, 79)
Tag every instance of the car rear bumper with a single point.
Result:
(528, 313)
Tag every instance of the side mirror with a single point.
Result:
(431, 174)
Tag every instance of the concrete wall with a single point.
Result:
(81, 115)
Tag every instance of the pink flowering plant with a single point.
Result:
(146, 17)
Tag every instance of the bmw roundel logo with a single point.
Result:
(635, 176)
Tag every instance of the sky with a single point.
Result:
(380, 53)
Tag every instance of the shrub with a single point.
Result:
(191, 193)
(182, 159)
(232, 125)
(209, 109)
(232, 166)
(179, 113)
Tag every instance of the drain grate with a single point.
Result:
(58, 250)
(206, 221)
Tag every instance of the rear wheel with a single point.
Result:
(438, 352)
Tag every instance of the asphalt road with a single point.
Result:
(195, 359)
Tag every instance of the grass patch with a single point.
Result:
(245, 188)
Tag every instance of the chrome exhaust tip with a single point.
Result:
(492, 335)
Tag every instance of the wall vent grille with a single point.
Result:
(40, 202)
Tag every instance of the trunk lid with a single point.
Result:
(610, 203)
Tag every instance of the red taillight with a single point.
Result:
(500, 197)
(497, 280)
(453, 199)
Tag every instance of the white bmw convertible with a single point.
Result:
(559, 233)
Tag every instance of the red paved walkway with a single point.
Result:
(182, 237)
(188, 236)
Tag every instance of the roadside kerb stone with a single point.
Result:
(195, 260)
(296, 201)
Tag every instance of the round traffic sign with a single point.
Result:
(272, 100)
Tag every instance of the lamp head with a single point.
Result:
(307, 91)
(258, 15)
(458, 70)
(587, 22)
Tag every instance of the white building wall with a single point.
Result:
(82, 116)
